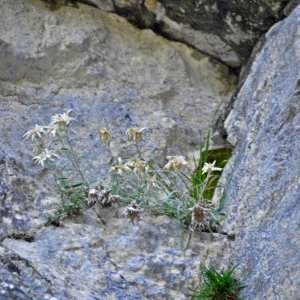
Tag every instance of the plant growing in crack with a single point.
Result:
(54, 149)
(173, 189)
(170, 190)
(217, 285)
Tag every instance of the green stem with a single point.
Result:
(73, 158)
(138, 149)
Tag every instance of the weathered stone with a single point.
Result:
(263, 192)
(227, 30)
(105, 5)
(22, 200)
(291, 5)
(19, 279)
(119, 260)
(110, 74)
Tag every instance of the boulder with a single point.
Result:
(87, 260)
(226, 30)
(263, 176)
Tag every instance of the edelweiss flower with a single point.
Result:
(175, 163)
(197, 214)
(137, 166)
(38, 148)
(35, 133)
(54, 130)
(151, 182)
(104, 135)
(201, 214)
(44, 156)
(210, 167)
(93, 196)
(120, 168)
(132, 212)
(61, 119)
(135, 134)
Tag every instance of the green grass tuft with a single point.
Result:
(219, 285)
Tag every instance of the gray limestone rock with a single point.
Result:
(110, 74)
(117, 261)
(227, 30)
(263, 192)
(105, 5)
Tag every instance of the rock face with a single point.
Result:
(118, 261)
(115, 75)
(111, 74)
(263, 194)
(227, 30)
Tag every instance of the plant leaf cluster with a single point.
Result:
(216, 285)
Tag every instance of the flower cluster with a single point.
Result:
(200, 214)
(44, 156)
(134, 165)
(35, 133)
(104, 197)
(43, 138)
(120, 168)
(137, 166)
(175, 163)
(180, 194)
(104, 135)
(135, 134)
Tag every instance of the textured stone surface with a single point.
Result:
(101, 67)
(227, 30)
(19, 279)
(17, 197)
(117, 261)
(263, 194)
(106, 5)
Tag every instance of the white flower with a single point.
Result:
(35, 133)
(38, 148)
(135, 134)
(44, 156)
(104, 135)
(53, 130)
(175, 163)
(137, 166)
(210, 167)
(151, 182)
(119, 168)
(93, 196)
(61, 119)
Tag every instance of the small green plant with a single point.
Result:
(218, 285)
(53, 149)
(171, 190)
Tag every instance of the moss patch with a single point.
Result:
(221, 156)
(25, 236)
